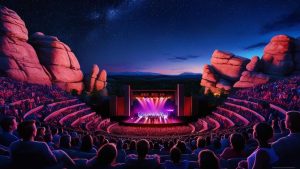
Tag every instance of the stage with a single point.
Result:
(152, 121)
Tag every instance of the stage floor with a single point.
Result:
(150, 130)
(152, 121)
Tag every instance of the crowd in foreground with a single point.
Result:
(30, 145)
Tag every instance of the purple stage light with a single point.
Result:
(153, 107)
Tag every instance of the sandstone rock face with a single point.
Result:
(251, 79)
(227, 65)
(93, 77)
(18, 58)
(278, 56)
(59, 60)
(97, 79)
(254, 64)
(209, 78)
(101, 80)
(49, 62)
(12, 25)
(281, 58)
(209, 74)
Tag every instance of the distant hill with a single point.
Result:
(133, 74)
(189, 74)
(150, 74)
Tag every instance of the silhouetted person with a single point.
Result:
(182, 147)
(121, 152)
(208, 160)
(132, 148)
(48, 139)
(200, 145)
(142, 160)
(288, 148)
(27, 153)
(105, 158)
(41, 131)
(236, 149)
(87, 144)
(8, 125)
(264, 156)
(176, 162)
(283, 131)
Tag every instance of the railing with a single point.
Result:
(243, 119)
(230, 122)
(53, 114)
(33, 111)
(260, 117)
(62, 120)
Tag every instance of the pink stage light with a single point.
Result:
(152, 106)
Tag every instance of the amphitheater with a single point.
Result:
(242, 109)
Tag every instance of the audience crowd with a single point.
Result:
(284, 93)
(30, 144)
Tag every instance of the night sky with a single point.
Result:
(164, 36)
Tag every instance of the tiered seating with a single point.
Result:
(200, 125)
(246, 110)
(253, 107)
(227, 123)
(282, 93)
(23, 100)
(68, 119)
(84, 119)
(235, 117)
(57, 115)
(92, 125)
(214, 123)
(237, 114)
(104, 124)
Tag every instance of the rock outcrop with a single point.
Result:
(250, 79)
(96, 80)
(278, 56)
(42, 60)
(254, 64)
(228, 65)
(59, 60)
(281, 58)
(18, 59)
(226, 68)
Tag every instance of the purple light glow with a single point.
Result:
(152, 107)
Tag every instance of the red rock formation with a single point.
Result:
(18, 59)
(212, 82)
(209, 79)
(254, 64)
(227, 65)
(96, 81)
(93, 77)
(49, 62)
(59, 60)
(101, 80)
(281, 58)
(250, 79)
(278, 56)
